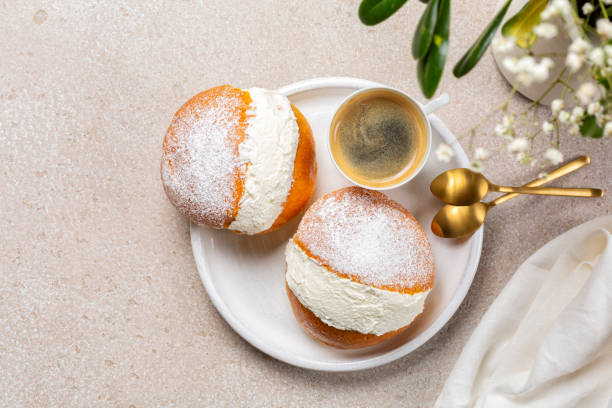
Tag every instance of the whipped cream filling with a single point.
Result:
(269, 148)
(345, 304)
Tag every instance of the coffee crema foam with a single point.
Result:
(378, 138)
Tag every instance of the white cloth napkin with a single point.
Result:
(546, 341)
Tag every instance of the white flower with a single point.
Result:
(500, 130)
(527, 70)
(574, 61)
(597, 56)
(594, 108)
(556, 106)
(508, 121)
(587, 93)
(547, 127)
(503, 44)
(574, 129)
(587, 8)
(608, 50)
(480, 154)
(518, 145)
(607, 2)
(525, 64)
(604, 28)
(545, 30)
(521, 157)
(564, 116)
(553, 155)
(556, 8)
(444, 152)
(511, 64)
(547, 62)
(579, 46)
(577, 114)
(608, 129)
(539, 73)
(504, 129)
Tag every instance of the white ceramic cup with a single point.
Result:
(424, 111)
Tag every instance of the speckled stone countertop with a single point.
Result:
(100, 300)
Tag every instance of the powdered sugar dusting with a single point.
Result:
(369, 238)
(201, 163)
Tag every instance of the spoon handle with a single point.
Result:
(553, 175)
(553, 191)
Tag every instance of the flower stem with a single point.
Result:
(603, 9)
(546, 91)
(566, 85)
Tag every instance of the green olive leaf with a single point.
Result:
(372, 12)
(590, 128)
(477, 50)
(430, 67)
(424, 32)
(520, 26)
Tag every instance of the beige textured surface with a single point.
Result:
(100, 300)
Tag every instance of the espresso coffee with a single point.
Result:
(378, 138)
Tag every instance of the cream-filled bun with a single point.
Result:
(358, 269)
(239, 159)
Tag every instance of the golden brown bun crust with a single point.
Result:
(311, 234)
(344, 339)
(304, 174)
(186, 189)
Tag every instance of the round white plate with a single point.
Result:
(244, 276)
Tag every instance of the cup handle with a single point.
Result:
(436, 104)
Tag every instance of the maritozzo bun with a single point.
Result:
(238, 159)
(358, 269)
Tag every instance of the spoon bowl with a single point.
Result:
(456, 221)
(460, 186)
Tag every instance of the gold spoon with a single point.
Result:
(465, 187)
(459, 221)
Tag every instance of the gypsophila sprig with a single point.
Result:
(444, 153)
(583, 70)
(587, 8)
(553, 155)
(585, 108)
